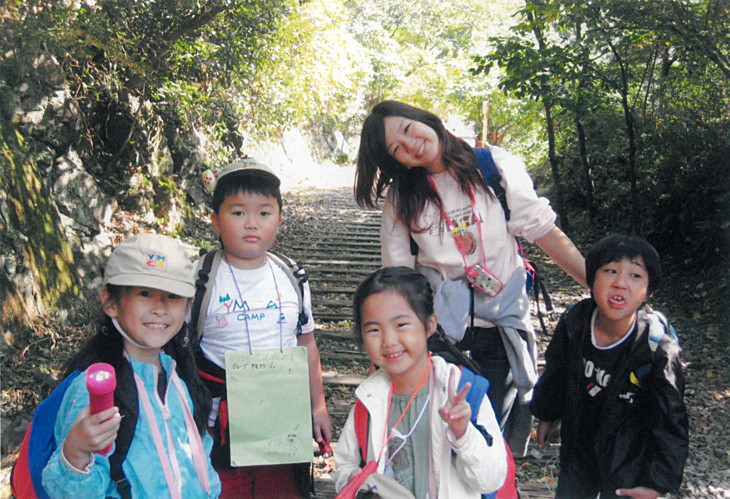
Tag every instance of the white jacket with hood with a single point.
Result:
(472, 469)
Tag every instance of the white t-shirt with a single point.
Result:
(250, 308)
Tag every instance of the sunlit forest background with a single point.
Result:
(619, 107)
(110, 111)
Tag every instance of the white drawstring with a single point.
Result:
(126, 337)
(395, 432)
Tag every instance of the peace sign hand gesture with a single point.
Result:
(456, 412)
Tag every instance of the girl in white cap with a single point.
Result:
(160, 405)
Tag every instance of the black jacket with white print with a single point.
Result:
(642, 431)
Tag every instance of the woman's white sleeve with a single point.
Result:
(531, 216)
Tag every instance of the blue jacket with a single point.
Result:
(142, 466)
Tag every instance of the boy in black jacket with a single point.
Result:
(614, 378)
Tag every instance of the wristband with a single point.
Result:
(67, 463)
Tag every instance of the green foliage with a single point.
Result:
(421, 52)
(626, 83)
(646, 84)
(314, 74)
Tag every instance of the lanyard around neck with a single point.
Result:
(168, 458)
(405, 410)
(245, 312)
(450, 224)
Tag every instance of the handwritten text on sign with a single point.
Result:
(268, 405)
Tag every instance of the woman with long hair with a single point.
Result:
(441, 217)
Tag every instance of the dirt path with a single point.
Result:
(327, 222)
(338, 244)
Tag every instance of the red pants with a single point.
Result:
(259, 482)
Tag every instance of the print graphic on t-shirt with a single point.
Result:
(273, 304)
(596, 378)
(246, 311)
(460, 221)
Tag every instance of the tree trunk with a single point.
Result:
(554, 167)
(550, 128)
(586, 168)
(631, 134)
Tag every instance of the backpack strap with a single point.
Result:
(207, 266)
(126, 400)
(659, 327)
(362, 423)
(478, 390)
(297, 275)
(492, 177)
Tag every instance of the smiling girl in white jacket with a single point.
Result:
(419, 425)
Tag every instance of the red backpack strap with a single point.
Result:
(21, 482)
(362, 422)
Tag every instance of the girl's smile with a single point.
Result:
(150, 317)
(395, 338)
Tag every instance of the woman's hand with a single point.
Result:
(457, 411)
(89, 434)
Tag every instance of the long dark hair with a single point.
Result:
(377, 170)
(404, 281)
(107, 345)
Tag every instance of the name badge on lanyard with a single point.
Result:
(478, 275)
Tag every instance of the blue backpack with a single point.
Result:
(534, 282)
(39, 444)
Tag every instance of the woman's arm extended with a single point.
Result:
(561, 249)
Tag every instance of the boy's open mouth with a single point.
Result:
(617, 301)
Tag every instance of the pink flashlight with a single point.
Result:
(101, 380)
